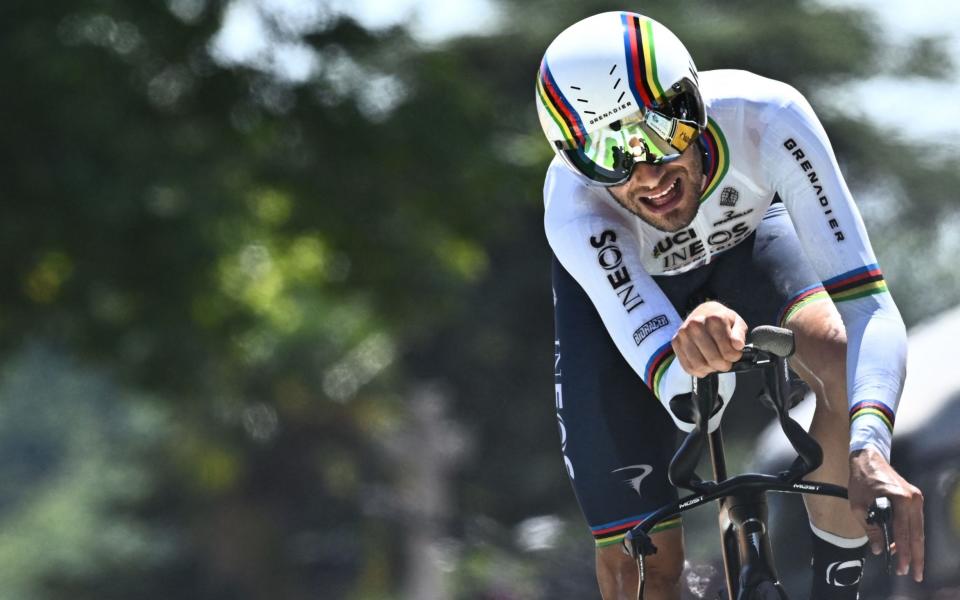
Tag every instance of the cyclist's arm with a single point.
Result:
(805, 173)
(600, 250)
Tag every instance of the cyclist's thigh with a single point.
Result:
(767, 278)
(617, 439)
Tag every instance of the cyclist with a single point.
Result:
(683, 208)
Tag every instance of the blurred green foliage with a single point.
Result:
(251, 318)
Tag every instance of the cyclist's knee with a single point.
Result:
(818, 326)
(664, 573)
(618, 571)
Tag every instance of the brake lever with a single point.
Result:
(880, 513)
(638, 544)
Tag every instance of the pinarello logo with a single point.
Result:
(845, 573)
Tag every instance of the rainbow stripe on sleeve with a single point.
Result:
(613, 533)
(858, 283)
(877, 409)
(657, 366)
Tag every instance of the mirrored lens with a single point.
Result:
(609, 153)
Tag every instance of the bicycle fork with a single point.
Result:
(747, 515)
(747, 554)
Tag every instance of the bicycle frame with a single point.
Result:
(747, 554)
(748, 558)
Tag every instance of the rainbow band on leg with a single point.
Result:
(613, 533)
(805, 297)
(858, 283)
(877, 409)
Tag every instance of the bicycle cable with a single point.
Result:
(643, 576)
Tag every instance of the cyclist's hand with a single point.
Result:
(711, 338)
(872, 476)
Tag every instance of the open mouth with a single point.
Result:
(666, 200)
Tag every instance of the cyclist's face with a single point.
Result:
(666, 196)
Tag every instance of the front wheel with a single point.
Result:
(766, 590)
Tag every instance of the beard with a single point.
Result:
(675, 212)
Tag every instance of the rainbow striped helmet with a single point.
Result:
(616, 89)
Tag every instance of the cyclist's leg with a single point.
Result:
(617, 441)
(838, 541)
(617, 572)
(821, 361)
(781, 272)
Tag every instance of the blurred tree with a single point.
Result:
(286, 242)
(73, 446)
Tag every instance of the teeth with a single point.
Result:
(665, 192)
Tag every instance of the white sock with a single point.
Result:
(836, 540)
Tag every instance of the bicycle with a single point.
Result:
(747, 554)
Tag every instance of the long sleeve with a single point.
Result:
(804, 171)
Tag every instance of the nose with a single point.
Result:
(646, 175)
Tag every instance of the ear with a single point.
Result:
(703, 182)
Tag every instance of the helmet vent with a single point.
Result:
(612, 69)
(576, 87)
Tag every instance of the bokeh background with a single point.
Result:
(275, 310)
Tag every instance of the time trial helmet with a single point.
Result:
(616, 89)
